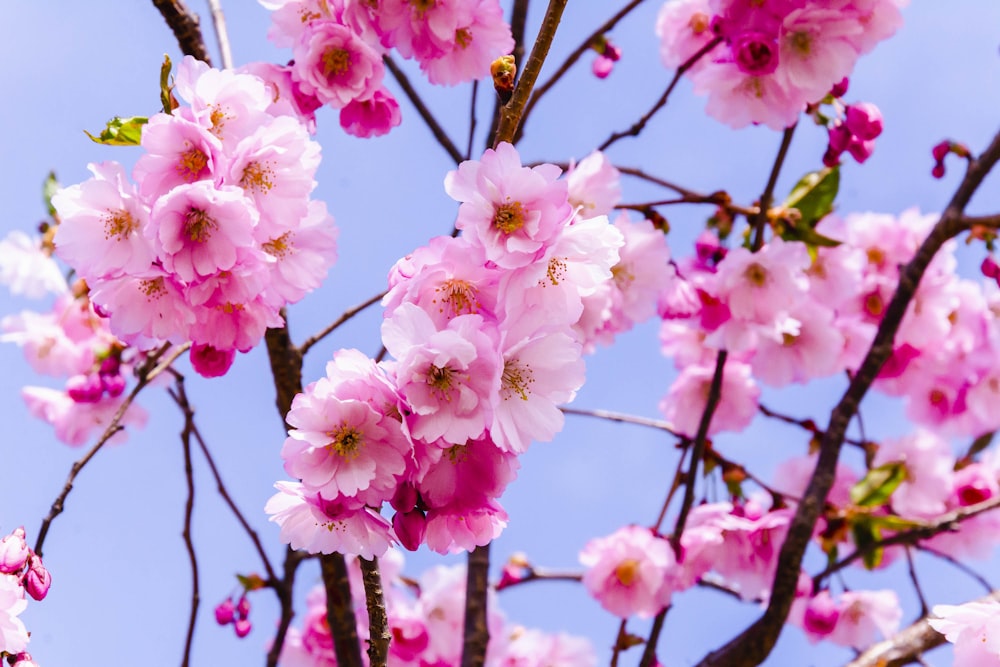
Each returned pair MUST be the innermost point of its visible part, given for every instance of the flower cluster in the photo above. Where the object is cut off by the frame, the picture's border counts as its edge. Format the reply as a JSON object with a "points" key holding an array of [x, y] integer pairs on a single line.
{"points": [[220, 232], [71, 341], [487, 331], [338, 47], [774, 56], [425, 621], [21, 571]]}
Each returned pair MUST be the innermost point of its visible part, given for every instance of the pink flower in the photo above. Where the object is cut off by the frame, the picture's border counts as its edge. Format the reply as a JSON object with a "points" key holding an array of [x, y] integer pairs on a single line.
{"points": [[37, 580], [630, 571], [13, 552], [178, 151], [335, 65], [480, 37], [75, 422], [685, 401], [594, 186], [511, 211], [684, 27], [372, 117], [27, 269], [929, 464], [974, 629], [13, 634], [302, 256], [209, 362], [865, 617]]}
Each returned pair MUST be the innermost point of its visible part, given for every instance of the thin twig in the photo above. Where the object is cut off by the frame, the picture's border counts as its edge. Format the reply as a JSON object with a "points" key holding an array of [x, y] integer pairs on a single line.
{"points": [[621, 643], [476, 631], [221, 33], [432, 123], [472, 120], [186, 28], [808, 425], [283, 588], [767, 198], [575, 55], [958, 565], [378, 623], [345, 316], [340, 610], [649, 653], [180, 397], [623, 418], [510, 113], [924, 609], [145, 376], [674, 485], [541, 574], [640, 124]]}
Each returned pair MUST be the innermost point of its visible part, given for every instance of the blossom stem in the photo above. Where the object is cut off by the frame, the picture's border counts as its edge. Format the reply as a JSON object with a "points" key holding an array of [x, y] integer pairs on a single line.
{"points": [[429, 119], [767, 198], [152, 368], [640, 124], [179, 397], [511, 113], [476, 633], [577, 53], [186, 28]]}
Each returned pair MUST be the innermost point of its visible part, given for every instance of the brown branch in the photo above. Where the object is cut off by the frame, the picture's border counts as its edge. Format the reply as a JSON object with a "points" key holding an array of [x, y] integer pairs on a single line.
{"points": [[345, 316], [432, 123], [640, 124], [221, 33], [378, 622], [511, 113], [752, 646], [621, 643], [186, 27], [340, 610], [283, 589], [180, 397], [472, 120], [573, 57], [988, 221], [518, 19], [808, 425], [767, 198], [957, 564], [149, 370], [649, 653], [476, 632]]}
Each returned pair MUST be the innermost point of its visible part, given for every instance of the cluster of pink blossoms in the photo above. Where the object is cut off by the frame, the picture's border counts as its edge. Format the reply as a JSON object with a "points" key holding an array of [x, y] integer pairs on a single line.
{"points": [[220, 232], [426, 619], [338, 47], [487, 331], [71, 341], [21, 571], [775, 56]]}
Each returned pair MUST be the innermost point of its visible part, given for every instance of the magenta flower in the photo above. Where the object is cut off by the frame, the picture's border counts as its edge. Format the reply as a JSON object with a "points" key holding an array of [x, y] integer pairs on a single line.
{"points": [[372, 117], [336, 65]]}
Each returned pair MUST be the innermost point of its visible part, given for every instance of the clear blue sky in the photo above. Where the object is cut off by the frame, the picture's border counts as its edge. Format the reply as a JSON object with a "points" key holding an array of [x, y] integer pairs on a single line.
{"points": [[121, 583]]}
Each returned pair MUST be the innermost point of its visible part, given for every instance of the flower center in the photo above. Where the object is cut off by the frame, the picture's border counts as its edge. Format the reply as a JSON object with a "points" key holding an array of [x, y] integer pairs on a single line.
{"points": [[463, 37], [627, 571], [336, 62], [152, 288], [756, 274], [198, 226], [459, 297], [257, 177], [278, 246], [516, 379], [218, 118], [118, 225], [191, 164], [440, 378], [345, 441], [509, 217]]}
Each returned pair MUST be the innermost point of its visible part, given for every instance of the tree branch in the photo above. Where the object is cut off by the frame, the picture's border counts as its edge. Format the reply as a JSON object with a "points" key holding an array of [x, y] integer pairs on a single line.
{"points": [[180, 397], [221, 33], [476, 634], [432, 124], [340, 610], [186, 28], [767, 198], [518, 19], [640, 124], [347, 314], [378, 644], [753, 645]]}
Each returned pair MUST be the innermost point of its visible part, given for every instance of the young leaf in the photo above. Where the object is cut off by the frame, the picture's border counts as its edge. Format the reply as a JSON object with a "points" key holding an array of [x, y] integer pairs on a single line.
{"points": [[877, 486], [866, 536], [167, 98], [120, 131], [813, 196], [50, 187]]}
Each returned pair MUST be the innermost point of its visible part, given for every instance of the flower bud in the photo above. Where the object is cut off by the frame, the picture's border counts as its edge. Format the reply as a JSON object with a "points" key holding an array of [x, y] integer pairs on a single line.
{"points": [[405, 498], [864, 120], [114, 385], [602, 67], [13, 552], [840, 89], [940, 150], [410, 528], [85, 388], [242, 627], [210, 362], [756, 53], [23, 659], [37, 580], [225, 612], [989, 267], [243, 607]]}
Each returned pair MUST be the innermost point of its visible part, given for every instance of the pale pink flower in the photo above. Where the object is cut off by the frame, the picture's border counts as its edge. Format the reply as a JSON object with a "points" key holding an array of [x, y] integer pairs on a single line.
{"points": [[229, 104], [75, 422], [514, 212], [310, 522], [594, 185], [758, 287], [62, 342], [630, 571], [372, 117], [809, 347], [302, 256], [451, 530], [449, 376], [467, 476], [13, 552], [929, 464], [27, 269], [145, 310], [534, 648], [752, 539], [290, 18], [178, 151], [685, 401], [974, 629], [683, 26], [100, 233], [13, 634], [816, 51], [335, 65], [423, 30], [225, 324], [866, 617], [287, 98], [480, 37], [738, 99], [199, 229]]}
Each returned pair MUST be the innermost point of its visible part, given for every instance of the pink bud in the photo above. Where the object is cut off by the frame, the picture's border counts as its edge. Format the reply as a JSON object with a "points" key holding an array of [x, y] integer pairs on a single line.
{"points": [[940, 150], [989, 267], [243, 607], [110, 366], [242, 627], [37, 580], [410, 528], [840, 89], [938, 170], [224, 612], [209, 362], [405, 498], [861, 150], [602, 66], [613, 52], [821, 615], [864, 120], [23, 659], [114, 385], [84, 388], [13, 552], [511, 574], [839, 138]]}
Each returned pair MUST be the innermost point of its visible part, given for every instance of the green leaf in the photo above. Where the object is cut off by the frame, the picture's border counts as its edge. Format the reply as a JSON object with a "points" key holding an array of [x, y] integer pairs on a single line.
{"points": [[121, 131], [878, 485], [49, 188], [814, 194], [866, 536], [895, 523]]}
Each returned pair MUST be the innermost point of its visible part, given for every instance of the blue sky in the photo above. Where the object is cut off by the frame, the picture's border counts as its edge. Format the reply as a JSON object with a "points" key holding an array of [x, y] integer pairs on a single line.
{"points": [[121, 583]]}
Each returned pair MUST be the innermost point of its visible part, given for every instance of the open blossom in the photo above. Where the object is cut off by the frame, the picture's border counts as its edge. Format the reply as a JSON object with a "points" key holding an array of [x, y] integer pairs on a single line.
{"points": [[27, 269], [630, 571], [13, 634], [481, 36], [687, 397], [974, 629], [513, 212], [336, 65], [177, 151], [371, 117], [594, 185]]}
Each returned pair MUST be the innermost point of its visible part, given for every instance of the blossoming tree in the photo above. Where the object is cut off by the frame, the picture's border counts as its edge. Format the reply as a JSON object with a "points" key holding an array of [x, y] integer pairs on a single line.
{"points": [[425, 231]]}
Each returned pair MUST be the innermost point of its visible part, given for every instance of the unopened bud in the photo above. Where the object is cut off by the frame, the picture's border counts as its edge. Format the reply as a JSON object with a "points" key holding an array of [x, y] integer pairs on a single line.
{"points": [[840, 89], [410, 528], [243, 607], [504, 71], [37, 580], [225, 612], [864, 120], [242, 627], [13, 552]]}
